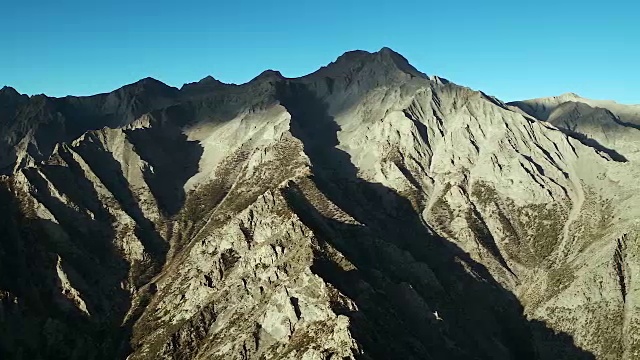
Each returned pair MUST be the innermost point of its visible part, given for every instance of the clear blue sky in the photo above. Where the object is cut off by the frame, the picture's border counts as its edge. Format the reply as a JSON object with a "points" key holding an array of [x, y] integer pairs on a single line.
{"points": [[510, 49]]}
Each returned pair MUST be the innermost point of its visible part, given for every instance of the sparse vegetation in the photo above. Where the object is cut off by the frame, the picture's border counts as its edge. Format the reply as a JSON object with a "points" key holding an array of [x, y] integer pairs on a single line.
{"points": [[442, 214], [558, 280], [595, 219], [533, 231]]}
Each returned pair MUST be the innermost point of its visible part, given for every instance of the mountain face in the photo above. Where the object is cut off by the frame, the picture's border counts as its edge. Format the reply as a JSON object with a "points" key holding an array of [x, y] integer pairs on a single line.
{"points": [[608, 126], [364, 211]]}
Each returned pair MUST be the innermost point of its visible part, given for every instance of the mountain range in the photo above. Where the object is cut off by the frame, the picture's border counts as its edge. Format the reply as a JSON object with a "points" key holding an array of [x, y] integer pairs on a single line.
{"points": [[364, 211]]}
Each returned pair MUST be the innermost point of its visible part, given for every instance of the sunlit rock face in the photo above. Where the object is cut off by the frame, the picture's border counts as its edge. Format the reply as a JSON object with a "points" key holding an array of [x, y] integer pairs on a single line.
{"points": [[364, 211]]}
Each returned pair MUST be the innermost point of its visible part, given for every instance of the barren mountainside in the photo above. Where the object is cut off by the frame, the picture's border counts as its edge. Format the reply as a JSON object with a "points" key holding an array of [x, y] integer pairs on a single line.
{"points": [[364, 211]]}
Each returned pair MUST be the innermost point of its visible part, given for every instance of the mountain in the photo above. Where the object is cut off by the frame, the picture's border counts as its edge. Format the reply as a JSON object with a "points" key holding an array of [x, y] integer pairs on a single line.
{"points": [[364, 211], [613, 128], [543, 107]]}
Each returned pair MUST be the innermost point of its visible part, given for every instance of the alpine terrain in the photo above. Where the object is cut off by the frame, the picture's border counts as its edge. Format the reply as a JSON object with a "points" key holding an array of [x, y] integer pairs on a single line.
{"points": [[364, 211]]}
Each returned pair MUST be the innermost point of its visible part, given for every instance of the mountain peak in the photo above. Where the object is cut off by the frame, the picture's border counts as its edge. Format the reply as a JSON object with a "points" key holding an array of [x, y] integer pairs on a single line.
{"points": [[206, 84], [570, 95], [149, 81], [269, 75], [386, 49], [209, 80], [352, 55], [147, 85], [387, 54], [383, 61], [391, 54], [362, 55], [11, 97], [8, 90]]}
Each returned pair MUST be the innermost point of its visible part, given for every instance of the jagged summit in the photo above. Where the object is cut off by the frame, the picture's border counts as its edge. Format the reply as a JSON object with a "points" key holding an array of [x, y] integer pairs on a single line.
{"points": [[204, 85], [363, 55], [354, 55], [8, 90], [10, 101], [385, 57], [381, 63], [10, 95], [400, 61]]}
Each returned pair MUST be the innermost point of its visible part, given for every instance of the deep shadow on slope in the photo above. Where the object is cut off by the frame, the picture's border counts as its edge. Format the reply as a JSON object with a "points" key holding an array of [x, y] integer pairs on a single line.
{"points": [[172, 160], [587, 141], [626, 123], [36, 321], [108, 170], [404, 271]]}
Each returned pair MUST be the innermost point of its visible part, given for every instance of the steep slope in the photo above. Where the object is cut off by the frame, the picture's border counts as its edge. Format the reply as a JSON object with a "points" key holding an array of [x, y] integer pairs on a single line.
{"points": [[366, 210]]}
